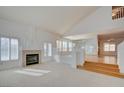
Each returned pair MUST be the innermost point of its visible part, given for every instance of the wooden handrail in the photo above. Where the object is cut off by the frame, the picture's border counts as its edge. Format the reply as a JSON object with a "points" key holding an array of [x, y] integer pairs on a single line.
{"points": [[118, 13]]}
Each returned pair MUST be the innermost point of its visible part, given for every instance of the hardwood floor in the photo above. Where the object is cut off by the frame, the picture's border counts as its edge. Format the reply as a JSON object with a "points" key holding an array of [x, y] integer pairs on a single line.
{"points": [[102, 59], [105, 65]]}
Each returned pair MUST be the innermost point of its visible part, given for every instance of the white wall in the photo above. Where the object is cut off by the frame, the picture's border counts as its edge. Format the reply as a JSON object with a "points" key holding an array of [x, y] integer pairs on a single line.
{"points": [[98, 21], [29, 38], [121, 57]]}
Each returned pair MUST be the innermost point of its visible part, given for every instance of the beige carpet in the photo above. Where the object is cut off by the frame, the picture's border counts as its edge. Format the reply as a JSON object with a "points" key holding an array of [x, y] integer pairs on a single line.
{"points": [[55, 75]]}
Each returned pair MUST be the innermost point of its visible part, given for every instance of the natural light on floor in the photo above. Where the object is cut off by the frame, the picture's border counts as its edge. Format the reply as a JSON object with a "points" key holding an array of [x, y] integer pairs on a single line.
{"points": [[32, 72]]}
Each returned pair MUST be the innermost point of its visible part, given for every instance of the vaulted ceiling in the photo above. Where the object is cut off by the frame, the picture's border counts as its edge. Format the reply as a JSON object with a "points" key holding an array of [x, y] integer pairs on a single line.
{"points": [[57, 19]]}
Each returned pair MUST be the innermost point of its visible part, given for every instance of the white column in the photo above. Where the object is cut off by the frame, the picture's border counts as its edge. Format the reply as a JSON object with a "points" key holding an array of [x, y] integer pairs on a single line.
{"points": [[79, 53]]}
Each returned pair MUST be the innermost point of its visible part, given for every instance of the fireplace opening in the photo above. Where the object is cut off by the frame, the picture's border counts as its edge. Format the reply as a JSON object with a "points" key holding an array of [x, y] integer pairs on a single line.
{"points": [[32, 59]]}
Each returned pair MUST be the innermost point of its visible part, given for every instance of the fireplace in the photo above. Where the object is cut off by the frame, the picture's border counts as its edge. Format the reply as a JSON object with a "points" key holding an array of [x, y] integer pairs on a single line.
{"points": [[32, 59]]}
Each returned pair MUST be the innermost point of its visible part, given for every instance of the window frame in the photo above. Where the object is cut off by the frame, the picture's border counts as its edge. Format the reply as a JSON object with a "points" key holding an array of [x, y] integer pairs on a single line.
{"points": [[10, 49], [109, 48], [64, 45], [70, 46], [46, 52], [49, 49], [10, 37]]}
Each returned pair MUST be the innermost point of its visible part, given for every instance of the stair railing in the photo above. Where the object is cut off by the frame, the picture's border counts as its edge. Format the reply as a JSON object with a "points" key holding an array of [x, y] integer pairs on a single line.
{"points": [[118, 13]]}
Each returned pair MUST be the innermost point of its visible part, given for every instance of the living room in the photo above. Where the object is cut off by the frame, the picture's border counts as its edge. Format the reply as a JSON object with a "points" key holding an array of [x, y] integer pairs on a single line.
{"points": [[42, 46]]}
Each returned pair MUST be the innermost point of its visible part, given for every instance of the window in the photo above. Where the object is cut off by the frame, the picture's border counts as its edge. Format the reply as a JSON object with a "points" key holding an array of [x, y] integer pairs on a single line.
{"points": [[47, 49], [109, 47], [14, 49], [64, 45], [9, 49], [70, 46], [58, 45], [112, 47], [5, 49], [90, 49], [106, 47]]}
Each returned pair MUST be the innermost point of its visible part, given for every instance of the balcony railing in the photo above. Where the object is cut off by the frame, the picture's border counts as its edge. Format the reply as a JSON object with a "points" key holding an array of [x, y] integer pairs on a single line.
{"points": [[118, 12]]}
